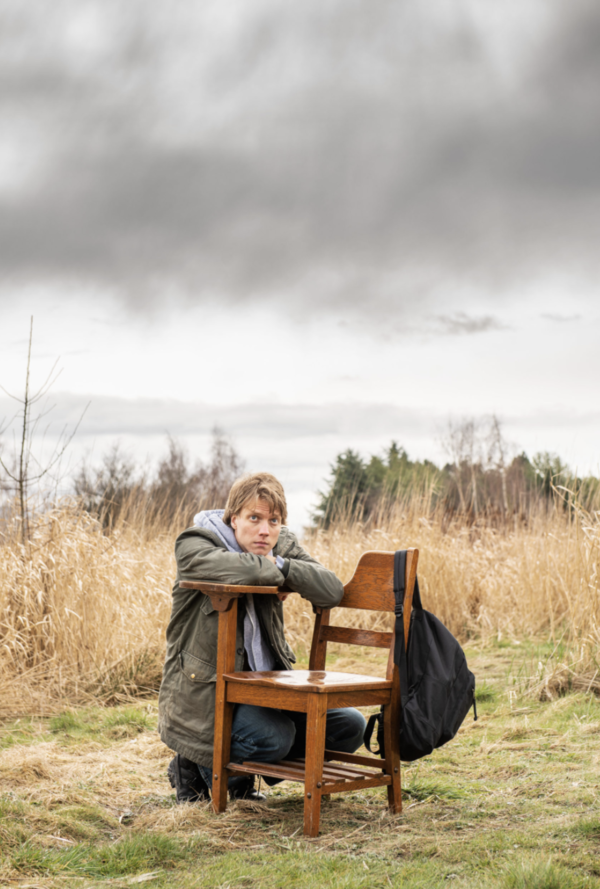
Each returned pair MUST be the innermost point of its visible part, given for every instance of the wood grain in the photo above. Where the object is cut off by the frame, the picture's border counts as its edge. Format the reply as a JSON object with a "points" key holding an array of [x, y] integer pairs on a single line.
{"points": [[308, 681], [362, 784], [316, 721], [223, 709], [318, 648], [219, 589], [351, 636], [359, 698], [372, 587], [238, 693], [372, 761]]}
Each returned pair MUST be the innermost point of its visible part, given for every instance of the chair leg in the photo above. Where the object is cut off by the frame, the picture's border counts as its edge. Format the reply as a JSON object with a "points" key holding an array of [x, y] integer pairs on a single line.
{"points": [[316, 724], [222, 747], [392, 757], [223, 710]]}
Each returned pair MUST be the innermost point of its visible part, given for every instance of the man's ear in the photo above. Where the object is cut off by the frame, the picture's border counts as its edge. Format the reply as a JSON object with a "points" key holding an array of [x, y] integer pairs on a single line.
{"points": [[233, 521]]}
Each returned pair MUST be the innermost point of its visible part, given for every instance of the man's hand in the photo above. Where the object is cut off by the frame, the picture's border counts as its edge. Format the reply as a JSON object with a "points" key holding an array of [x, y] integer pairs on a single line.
{"points": [[281, 596]]}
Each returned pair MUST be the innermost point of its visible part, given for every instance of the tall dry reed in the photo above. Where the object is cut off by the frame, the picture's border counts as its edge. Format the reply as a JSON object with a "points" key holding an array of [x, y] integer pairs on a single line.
{"points": [[83, 613], [539, 579]]}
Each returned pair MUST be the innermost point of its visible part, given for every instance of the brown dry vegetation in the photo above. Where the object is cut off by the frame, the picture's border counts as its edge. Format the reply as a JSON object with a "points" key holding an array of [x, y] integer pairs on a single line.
{"points": [[83, 613]]}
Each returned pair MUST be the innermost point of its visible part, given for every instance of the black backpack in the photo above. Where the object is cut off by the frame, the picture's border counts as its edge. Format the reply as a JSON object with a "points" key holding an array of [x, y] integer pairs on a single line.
{"points": [[436, 686]]}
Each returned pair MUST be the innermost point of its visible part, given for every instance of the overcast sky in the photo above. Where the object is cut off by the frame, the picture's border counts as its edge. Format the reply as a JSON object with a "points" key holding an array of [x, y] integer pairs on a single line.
{"points": [[320, 224]]}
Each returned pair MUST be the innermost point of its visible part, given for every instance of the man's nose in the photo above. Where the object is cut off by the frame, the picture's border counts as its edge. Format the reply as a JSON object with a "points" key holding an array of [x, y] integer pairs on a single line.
{"points": [[264, 529]]}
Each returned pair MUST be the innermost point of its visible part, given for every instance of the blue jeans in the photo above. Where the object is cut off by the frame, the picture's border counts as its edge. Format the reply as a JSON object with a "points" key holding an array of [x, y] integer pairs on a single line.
{"points": [[261, 734]]}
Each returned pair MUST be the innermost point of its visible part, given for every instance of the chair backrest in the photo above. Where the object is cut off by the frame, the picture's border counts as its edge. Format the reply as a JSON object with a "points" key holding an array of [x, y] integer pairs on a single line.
{"points": [[371, 589]]}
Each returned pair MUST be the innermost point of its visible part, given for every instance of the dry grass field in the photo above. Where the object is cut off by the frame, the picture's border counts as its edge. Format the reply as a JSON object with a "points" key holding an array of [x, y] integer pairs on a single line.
{"points": [[511, 803], [83, 613]]}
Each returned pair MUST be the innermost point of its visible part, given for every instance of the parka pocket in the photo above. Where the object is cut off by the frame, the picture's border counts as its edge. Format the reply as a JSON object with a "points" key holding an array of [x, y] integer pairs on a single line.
{"points": [[207, 606], [197, 670]]}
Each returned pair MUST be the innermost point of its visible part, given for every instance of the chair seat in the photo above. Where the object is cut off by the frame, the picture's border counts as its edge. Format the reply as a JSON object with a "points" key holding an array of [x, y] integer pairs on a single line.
{"points": [[309, 681]]}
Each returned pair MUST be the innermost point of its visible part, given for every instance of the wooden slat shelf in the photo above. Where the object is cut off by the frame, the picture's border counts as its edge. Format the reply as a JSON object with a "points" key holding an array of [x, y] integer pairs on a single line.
{"points": [[336, 778]]}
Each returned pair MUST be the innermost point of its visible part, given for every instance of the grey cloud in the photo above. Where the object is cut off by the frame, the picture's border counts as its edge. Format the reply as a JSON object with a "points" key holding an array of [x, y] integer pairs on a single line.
{"points": [[319, 151], [460, 323], [275, 425], [560, 319], [151, 417]]}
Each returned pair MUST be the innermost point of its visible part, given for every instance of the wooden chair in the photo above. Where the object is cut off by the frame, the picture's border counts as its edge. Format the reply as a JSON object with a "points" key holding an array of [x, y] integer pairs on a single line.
{"points": [[314, 691]]}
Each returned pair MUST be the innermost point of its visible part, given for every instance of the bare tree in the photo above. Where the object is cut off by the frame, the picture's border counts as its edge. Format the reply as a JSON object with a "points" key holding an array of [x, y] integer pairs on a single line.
{"points": [[20, 472], [113, 490], [461, 441], [497, 455], [215, 480]]}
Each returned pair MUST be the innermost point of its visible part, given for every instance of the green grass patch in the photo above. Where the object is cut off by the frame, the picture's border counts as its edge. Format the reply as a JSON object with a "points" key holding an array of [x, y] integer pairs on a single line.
{"points": [[545, 875], [25, 730], [589, 828], [306, 870], [486, 693], [130, 855], [108, 724], [425, 789]]}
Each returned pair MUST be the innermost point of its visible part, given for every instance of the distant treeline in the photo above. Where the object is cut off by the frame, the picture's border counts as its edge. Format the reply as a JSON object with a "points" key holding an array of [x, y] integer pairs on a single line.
{"points": [[480, 482]]}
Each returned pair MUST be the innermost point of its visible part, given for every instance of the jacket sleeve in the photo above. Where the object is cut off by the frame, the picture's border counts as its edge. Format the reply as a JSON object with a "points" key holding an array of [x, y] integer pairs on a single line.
{"points": [[198, 558], [311, 579]]}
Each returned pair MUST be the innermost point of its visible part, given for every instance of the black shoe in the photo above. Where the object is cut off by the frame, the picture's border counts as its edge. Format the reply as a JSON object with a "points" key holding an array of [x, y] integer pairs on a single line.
{"points": [[245, 790], [185, 777]]}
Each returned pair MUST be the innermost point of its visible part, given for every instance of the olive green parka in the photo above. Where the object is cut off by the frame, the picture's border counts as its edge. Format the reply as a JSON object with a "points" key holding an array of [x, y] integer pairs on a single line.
{"points": [[186, 704]]}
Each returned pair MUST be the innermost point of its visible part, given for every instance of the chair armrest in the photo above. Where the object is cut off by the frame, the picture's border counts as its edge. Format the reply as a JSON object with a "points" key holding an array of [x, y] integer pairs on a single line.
{"points": [[223, 594], [218, 589]]}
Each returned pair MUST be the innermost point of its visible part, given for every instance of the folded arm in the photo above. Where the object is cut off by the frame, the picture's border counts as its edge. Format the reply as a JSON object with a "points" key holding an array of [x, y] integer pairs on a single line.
{"points": [[198, 558]]}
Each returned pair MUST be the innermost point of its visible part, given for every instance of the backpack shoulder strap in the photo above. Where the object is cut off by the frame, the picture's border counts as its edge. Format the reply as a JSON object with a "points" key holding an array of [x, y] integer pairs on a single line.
{"points": [[400, 652], [399, 646]]}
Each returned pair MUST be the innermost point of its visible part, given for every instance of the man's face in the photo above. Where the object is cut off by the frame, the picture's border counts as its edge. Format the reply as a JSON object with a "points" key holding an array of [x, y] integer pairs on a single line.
{"points": [[256, 528]]}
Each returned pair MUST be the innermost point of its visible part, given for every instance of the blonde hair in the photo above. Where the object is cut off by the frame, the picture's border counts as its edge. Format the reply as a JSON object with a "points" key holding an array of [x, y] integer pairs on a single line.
{"points": [[258, 486]]}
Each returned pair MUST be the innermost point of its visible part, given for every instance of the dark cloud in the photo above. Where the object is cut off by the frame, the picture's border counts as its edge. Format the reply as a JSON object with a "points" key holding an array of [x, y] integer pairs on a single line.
{"points": [[325, 152]]}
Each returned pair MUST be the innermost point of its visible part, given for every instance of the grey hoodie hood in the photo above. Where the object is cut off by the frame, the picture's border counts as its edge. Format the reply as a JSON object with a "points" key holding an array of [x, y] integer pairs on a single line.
{"points": [[212, 520]]}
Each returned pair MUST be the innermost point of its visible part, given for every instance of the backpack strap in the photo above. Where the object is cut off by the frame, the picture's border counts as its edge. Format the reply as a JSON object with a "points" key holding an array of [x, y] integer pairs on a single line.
{"points": [[400, 653], [373, 720], [399, 646]]}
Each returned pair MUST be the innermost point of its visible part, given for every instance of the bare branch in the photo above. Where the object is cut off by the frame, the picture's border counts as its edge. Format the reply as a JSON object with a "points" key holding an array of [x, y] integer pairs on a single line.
{"points": [[7, 471], [10, 395], [58, 453], [47, 385]]}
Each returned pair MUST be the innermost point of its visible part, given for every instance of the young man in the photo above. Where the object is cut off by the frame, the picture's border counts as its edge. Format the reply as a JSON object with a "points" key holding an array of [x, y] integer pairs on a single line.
{"points": [[246, 543]]}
